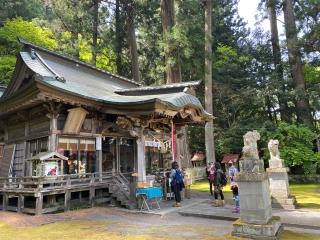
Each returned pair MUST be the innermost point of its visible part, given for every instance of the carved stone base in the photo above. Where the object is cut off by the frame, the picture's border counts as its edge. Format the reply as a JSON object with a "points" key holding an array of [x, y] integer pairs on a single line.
{"points": [[289, 203], [279, 188], [269, 231]]}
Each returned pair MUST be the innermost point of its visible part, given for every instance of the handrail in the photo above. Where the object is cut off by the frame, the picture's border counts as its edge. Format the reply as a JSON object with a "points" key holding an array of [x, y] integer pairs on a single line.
{"points": [[54, 181]]}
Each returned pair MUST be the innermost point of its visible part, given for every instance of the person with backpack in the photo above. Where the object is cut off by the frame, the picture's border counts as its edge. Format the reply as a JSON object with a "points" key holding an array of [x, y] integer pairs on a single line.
{"points": [[177, 183], [219, 182], [210, 173], [232, 171], [232, 174]]}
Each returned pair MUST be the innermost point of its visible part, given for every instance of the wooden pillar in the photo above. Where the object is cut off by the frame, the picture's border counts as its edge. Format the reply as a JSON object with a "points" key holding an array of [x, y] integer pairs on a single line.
{"points": [[5, 201], [53, 115], [20, 203], [39, 204], [92, 191], [92, 195], [141, 156], [67, 195], [99, 156], [67, 199], [53, 132]]}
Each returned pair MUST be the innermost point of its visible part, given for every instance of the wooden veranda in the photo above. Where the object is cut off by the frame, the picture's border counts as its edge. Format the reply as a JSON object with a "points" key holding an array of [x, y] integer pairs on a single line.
{"points": [[37, 195]]}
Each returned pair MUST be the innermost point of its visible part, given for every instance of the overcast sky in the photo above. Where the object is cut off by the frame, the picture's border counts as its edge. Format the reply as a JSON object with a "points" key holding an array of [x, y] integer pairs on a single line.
{"points": [[248, 10]]}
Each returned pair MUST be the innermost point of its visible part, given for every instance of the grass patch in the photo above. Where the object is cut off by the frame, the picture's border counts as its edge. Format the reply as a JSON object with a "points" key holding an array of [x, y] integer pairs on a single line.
{"points": [[88, 230], [289, 235], [68, 230], [307, 195]]}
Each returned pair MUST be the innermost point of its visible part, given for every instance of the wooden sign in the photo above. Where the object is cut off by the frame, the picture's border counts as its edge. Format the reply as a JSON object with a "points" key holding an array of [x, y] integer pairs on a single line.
{"points": [[74, 120]]}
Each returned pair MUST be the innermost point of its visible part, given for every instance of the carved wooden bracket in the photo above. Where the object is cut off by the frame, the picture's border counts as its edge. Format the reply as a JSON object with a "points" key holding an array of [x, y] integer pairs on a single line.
{"points": [[53, 109]]}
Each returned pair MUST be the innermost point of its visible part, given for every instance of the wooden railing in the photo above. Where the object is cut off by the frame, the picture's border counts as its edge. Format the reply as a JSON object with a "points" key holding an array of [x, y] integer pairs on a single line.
{"points": [[55, 182]]}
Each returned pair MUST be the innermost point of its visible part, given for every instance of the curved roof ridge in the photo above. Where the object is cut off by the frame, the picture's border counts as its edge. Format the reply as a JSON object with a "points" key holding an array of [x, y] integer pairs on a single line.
{"points": [[166, 86], [25, 42], [57, 76]]}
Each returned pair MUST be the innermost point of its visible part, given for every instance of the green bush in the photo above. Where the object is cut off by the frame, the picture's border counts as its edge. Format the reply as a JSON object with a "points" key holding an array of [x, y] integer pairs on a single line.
{"points": [[295, 145]]}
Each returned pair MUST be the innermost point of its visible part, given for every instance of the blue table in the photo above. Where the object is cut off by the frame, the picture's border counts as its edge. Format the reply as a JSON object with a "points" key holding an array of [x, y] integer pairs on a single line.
{"points": [[153, 194]]}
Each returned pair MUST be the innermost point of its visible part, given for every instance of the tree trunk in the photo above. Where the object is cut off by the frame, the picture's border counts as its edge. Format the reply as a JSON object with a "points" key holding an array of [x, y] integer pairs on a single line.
{"points": [[118, 39], [129, 9], [173, 75], [95, 25], [302, 102], [172, 58], [284, 112], [75, 33], [209, 136], [75, 44]]}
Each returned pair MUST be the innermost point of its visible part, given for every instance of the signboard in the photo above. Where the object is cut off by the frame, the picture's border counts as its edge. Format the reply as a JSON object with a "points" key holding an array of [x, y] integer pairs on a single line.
{"points": [[50, 168], [152, 144], [98, 143]]}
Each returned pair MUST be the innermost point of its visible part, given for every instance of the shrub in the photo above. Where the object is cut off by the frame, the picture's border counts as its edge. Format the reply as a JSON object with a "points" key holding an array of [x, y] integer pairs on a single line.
{"points": [[296, 146]]}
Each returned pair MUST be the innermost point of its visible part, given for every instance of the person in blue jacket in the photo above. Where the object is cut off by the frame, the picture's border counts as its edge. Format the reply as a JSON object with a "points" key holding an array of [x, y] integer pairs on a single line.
{"points": [[177, 183]]}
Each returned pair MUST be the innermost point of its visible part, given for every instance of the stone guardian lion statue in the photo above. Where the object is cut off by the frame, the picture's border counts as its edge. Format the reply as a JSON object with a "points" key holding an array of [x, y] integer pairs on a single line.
{"points": [[273, 147]]}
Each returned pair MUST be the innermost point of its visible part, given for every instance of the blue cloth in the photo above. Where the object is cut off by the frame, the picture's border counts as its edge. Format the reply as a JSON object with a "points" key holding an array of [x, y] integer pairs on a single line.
{"points": [[237, 200], [154, 192]]}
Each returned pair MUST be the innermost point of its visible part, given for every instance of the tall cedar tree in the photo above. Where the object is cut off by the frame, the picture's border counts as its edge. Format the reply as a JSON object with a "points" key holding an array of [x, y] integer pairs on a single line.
{"points": [[301, 102], [173, 69], [284, 112], [129, 9], [210, 149]]}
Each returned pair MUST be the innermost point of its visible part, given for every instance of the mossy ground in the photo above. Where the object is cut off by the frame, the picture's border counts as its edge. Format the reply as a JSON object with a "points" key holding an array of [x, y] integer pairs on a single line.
{"points": [[99, 230], [99, 225], [307, 195]]}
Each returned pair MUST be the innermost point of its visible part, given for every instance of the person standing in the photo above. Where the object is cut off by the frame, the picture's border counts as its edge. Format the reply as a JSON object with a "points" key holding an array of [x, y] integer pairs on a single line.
{"points": [[232, 171], [235, 191], [218, 185], [177, 183], [210, 173]]}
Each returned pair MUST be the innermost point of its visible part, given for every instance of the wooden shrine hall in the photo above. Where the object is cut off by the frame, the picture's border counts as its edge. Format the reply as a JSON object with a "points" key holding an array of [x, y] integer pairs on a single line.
{"points": [[72, 131]]}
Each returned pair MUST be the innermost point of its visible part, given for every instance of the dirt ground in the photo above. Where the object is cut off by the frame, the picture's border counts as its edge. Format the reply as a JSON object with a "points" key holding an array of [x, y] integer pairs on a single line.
{"points": [[115, 223]]}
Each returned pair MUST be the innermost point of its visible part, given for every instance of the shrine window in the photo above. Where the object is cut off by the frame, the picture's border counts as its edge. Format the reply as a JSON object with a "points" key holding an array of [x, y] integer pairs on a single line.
{"points": [[81, 154]]}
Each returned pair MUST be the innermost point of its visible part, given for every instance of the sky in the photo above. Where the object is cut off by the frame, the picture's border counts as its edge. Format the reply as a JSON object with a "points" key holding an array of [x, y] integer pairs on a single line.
{"points": [[248, 10]]}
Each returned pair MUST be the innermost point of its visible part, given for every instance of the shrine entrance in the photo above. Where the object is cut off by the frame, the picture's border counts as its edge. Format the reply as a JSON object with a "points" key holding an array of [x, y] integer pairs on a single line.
{"points": [[119, 155]]}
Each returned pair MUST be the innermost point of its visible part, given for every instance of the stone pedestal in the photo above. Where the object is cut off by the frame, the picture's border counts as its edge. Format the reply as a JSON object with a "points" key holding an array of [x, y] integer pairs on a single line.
{"points": [[269, 231], [278, 178], [279, 188], [256, 220]]}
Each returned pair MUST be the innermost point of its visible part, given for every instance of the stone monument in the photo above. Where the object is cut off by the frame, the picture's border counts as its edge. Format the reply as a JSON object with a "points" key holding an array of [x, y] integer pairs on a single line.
{"points": [[278, 179], [256, 220]]}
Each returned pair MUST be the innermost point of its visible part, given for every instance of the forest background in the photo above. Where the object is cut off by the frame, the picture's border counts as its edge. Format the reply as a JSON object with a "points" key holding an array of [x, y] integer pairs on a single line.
{"points": [[259, 81]]}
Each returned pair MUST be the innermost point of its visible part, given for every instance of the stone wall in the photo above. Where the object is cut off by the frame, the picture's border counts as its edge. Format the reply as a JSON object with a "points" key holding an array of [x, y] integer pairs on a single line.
{"points": [[304, 178], [196, 173]]}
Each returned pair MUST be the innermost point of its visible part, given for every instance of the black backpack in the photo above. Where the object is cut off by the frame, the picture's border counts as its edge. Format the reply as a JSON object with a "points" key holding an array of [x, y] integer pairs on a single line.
{"points": [[223, 179]]}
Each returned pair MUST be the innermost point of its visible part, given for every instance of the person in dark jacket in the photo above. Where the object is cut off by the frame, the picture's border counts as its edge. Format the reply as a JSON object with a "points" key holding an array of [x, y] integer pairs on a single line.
{"points": [[177, 183], [210, 173], [235, 191], [218, 185]]}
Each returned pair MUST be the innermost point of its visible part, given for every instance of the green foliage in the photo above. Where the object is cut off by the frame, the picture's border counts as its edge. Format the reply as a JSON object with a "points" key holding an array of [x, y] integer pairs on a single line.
{"points": [[27, 9], [195, 139], [9, 45], [28, 30], [7, 63], [296, 146]]}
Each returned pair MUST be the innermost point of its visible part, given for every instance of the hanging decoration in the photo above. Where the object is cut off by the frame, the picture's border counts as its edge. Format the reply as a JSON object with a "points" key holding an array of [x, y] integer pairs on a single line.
{"points": [[173, 147]]}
